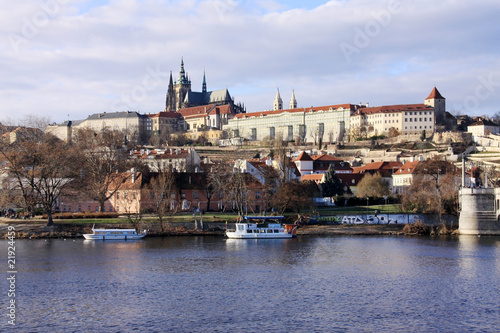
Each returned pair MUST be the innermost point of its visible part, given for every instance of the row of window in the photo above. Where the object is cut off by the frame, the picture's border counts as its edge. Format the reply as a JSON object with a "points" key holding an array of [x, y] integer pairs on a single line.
{"points": [[419, 119]]}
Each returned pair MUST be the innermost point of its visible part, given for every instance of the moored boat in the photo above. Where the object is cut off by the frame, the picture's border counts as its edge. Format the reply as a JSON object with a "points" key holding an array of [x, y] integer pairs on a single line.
{"points": [[114, 234], [270, 229]]}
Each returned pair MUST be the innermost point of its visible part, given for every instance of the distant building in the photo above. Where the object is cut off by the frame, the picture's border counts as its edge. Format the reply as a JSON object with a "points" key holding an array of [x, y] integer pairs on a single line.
{"points": [[158, 160], [132, 122], [483, 127], [314, 124]]}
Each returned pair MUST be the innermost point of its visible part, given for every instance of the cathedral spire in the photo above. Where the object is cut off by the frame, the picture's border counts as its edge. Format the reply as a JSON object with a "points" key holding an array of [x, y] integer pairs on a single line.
{"points": [[204, 86], [182, 73], [278, 102], [293, 101], [169, 104]]}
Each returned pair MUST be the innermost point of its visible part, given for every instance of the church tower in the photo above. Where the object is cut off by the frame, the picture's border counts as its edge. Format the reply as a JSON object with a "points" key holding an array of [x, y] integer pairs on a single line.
{"points": [[278, 102], [170, 103], [178, 90], [293, 101], [438, 102]]}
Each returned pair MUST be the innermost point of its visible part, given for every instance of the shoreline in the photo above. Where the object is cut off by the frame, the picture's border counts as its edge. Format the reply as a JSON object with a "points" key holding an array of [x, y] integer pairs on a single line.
{"points": [[39, 230]]}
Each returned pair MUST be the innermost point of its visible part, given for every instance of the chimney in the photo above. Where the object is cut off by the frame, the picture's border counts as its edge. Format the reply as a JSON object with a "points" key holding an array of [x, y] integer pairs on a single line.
{"points": [[133, 174]]}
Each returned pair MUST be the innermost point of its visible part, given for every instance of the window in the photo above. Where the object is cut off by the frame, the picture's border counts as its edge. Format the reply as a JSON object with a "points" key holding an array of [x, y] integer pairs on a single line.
{"points": [[117, 195], [254, 134], [96, 209], [79, 208], [321, 129], [257, 195], [195, 194], [88, 208], [272, 132]]}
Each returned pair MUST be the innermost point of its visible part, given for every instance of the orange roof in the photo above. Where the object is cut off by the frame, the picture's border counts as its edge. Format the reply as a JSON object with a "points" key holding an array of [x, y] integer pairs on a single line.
{"points": [[407, 168], [435, 94], [351, 107], [325, 157], [221, 109], [377, 166], [316, 177], [197, 110], [303, 157]]}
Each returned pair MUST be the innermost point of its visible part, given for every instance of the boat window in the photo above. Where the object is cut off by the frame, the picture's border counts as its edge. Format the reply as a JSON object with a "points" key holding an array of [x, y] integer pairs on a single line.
{"points": [[269, 231], [249, 231], [256, 231], [276, 231], [241, 227]]}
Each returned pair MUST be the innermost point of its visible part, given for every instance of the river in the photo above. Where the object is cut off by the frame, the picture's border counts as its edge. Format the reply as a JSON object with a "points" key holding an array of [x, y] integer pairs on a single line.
{"points": [[211, 284]]}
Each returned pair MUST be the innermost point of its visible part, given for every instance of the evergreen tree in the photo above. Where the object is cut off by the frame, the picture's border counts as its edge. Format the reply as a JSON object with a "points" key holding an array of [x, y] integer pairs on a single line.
{"points": [[332, 185]]}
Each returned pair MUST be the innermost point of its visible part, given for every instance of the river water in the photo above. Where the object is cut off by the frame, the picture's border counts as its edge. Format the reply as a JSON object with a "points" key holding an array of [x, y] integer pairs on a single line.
{"points": [[211, 284]]}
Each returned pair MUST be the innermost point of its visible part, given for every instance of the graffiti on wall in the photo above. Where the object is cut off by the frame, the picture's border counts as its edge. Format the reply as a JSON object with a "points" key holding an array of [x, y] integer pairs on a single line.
{"points": [[366, 219]]}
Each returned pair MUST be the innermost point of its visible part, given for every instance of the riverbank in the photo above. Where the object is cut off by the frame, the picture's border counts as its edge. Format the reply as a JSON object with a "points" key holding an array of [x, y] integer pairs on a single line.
{"points": [[38, 229]]}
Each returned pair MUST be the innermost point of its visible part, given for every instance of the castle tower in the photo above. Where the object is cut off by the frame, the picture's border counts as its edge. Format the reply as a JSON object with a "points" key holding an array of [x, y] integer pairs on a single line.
{"points": [[293, 101], [438, 102], [278, 102]]}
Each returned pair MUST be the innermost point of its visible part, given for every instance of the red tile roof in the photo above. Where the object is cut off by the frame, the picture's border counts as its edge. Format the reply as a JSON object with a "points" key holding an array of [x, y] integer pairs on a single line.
{"points": [[351, 107], [407, 168], [202, 110], [435, 94], [392, 109], [303, 157], [326, 157], [316, 177]]}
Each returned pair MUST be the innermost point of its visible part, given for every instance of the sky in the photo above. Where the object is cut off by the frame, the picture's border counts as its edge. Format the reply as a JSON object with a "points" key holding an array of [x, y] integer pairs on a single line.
{"points": [[68, 59]]}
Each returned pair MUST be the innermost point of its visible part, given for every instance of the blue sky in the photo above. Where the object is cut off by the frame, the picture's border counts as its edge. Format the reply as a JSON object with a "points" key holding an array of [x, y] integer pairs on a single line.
{"points": [[68, 59]]}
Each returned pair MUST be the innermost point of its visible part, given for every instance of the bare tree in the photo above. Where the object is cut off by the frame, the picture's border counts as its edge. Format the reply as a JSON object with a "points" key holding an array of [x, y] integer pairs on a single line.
{"points": [[42, 167], [162, 185], [104, 159]]}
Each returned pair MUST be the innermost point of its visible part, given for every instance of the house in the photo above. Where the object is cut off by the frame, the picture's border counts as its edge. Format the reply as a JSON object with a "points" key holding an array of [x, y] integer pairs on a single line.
{"points": [[385, 169], [403, 177], [304, 163], [322, 162], [483, 127], [179, 159]]}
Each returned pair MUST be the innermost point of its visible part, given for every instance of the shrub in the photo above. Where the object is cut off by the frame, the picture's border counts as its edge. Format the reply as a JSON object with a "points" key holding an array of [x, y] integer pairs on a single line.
{"points": [[417, 228]]}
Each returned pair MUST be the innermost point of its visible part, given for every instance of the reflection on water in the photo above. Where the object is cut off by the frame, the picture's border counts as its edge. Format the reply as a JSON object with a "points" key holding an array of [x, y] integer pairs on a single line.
{"points": [[200, 284]]}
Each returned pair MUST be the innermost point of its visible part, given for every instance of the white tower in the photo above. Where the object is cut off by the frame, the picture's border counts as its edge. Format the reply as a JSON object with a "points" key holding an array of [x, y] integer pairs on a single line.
{"points": [[293, 101], [278, 102]]}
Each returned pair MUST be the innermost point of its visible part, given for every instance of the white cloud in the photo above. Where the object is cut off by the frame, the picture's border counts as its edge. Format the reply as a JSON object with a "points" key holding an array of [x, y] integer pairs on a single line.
{"points": [[82, 57]]}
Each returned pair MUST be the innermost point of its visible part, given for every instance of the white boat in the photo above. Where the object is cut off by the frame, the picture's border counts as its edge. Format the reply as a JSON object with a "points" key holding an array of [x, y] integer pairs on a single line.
{"points": [[114, 234], [249, 230]]}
